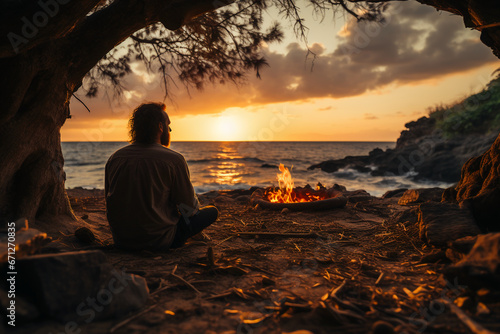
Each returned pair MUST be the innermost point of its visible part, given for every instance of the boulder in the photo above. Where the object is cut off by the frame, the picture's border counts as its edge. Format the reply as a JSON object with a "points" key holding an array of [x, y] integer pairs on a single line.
{"points": [[416, 129], [357, 196], [376, 152], [459, 248], [481, 267], [268, 166], [360, 163], [78, 286], [394, 193], [421, 195], [440, 223], [479, 188], [338, 187], [85, 235], [463, 245]]}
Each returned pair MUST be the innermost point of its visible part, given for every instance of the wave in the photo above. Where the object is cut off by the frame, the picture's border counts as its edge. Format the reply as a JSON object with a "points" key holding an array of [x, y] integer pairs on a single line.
{"points": [[348, 175], [224, 159], [81, 163]]}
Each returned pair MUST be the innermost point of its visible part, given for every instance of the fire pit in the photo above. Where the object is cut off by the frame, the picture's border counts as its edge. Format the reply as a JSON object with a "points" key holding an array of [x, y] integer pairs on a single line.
{"points": [[297, 199]]}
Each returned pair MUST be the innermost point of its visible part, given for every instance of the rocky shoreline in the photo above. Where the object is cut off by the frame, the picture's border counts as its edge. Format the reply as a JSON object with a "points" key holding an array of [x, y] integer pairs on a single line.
{"points": [[421, 151]]}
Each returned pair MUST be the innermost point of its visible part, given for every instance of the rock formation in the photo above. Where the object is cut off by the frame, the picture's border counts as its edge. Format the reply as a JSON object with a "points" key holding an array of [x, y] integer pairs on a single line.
{"points": [[481, 267], [422, 149], [479, 188]]}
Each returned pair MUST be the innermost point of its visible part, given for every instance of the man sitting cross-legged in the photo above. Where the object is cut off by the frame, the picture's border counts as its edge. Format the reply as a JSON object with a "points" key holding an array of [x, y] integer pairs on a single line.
{"points": [[150, 201]]}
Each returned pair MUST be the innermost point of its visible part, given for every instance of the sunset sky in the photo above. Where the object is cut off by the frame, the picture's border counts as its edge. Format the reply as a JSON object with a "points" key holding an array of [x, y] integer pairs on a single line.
{"points": [[367, 81]]}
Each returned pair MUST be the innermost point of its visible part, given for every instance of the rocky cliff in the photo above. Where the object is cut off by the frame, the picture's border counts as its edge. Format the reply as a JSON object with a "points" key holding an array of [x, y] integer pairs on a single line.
{"points": [[435, 147], [421, 149]]}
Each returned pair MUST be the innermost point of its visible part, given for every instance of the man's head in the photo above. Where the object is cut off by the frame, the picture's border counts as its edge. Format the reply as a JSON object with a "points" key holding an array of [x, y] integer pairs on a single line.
{"points": [[149, 124]]}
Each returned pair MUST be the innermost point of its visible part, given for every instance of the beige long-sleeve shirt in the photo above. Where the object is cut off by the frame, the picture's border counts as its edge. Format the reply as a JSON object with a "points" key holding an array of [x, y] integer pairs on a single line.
{"points": [[145, 187]]}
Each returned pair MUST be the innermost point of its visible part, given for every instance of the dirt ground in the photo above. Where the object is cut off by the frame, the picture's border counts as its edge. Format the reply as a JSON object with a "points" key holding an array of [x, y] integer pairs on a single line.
{"points": [[348, 270]]}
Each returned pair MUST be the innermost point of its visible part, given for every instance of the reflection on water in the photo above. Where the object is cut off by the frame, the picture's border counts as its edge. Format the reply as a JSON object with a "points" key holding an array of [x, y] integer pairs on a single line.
{"points": [[227, 171]]}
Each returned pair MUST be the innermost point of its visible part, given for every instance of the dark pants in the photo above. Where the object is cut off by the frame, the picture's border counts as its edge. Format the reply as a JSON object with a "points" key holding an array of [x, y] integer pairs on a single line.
{"points": [[189, 226]]}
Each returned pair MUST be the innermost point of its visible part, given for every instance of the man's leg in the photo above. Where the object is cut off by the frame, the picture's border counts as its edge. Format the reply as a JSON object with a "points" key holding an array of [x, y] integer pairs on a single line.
{"points": [[189, 226]]}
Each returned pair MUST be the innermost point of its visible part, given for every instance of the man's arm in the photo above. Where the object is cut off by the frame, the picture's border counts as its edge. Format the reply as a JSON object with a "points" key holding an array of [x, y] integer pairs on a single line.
{"points": [[106, 180], [183, 191]]}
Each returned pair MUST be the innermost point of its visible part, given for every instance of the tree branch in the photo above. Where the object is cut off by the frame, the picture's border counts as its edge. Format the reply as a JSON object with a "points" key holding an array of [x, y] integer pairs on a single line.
{"points": [[120, 20], [101, 32], [26, 24]]}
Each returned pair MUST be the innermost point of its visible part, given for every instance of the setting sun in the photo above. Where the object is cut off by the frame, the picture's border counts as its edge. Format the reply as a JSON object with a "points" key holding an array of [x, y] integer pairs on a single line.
{"points": [[227, 128]]}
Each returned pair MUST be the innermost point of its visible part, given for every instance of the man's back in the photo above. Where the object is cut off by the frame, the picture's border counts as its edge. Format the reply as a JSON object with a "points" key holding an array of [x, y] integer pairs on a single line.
{"points": [[143, 186]]}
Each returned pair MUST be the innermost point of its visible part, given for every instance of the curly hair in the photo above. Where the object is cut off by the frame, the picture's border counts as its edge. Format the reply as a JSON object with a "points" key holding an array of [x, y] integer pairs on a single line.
{"points": [[144, 122]]}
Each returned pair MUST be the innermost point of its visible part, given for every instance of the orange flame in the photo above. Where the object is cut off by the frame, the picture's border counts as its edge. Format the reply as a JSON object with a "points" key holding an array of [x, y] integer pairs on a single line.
{"points": [[288, 194]]}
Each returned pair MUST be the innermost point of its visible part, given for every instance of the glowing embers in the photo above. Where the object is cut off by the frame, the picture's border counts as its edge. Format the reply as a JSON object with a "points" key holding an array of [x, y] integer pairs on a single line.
{"points": [[286, 193]]}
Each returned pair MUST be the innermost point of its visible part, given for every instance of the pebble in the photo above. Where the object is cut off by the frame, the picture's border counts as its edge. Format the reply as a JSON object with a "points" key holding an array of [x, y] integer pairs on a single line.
{"points": [[85, 235], [382, 327], [482, 310], [464, 302]]}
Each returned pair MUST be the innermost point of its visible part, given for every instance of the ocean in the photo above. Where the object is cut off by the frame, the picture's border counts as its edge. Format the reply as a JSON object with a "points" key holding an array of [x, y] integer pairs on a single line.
{"points": [[241, 165]]}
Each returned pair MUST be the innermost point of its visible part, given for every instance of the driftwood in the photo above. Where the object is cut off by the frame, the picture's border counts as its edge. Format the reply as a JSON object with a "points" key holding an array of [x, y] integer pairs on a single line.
{"points": [[326, 204], [471, 324]]}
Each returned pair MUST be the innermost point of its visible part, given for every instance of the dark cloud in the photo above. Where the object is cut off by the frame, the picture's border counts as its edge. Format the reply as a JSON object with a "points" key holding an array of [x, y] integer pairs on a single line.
{"points": [[415, 43]]}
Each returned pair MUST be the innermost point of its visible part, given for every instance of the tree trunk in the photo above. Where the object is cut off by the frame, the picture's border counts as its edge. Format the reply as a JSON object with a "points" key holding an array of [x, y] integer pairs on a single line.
{"points": [[34, 106]]}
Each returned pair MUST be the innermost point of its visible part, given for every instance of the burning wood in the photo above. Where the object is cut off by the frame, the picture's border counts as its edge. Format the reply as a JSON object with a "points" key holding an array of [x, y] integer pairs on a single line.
{"points": [[286, 193], [297, 199]]}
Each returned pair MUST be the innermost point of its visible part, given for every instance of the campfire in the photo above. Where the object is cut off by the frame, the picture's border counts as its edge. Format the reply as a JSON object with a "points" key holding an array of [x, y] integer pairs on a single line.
{"points": [[286, 196], [287, 193]]}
